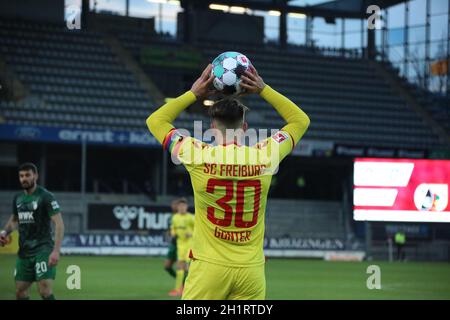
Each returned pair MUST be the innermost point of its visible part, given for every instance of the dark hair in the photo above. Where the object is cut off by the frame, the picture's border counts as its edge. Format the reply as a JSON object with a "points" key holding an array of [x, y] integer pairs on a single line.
{"points": [[28, 166], [182, 200], [229, 111]]}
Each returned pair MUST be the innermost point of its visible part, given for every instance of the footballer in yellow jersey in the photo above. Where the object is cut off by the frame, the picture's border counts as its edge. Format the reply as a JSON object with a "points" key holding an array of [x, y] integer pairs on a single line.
{"points": [[230, 183], [171, 257], [182, 228]]}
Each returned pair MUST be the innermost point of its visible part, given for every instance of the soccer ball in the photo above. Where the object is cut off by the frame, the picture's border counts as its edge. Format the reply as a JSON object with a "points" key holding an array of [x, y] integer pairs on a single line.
{"points": [[228, 68]]}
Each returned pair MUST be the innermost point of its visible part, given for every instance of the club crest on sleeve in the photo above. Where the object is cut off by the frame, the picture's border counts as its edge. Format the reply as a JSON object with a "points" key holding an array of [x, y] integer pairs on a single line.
{"points": [[54, 205], [280, 137]]}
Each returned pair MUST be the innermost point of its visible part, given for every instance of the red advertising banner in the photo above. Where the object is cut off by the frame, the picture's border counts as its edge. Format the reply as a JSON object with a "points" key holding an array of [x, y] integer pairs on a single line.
{"points": [[407, 190]]}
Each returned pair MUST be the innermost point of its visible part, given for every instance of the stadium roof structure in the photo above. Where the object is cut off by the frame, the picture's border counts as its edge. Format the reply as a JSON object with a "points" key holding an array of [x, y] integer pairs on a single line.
{"points": [[356, 5], [333, 9]]}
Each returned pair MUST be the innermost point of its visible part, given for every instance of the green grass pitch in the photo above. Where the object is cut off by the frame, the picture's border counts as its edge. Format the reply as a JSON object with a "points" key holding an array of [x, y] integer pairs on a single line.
{"points": [[144, 278]]}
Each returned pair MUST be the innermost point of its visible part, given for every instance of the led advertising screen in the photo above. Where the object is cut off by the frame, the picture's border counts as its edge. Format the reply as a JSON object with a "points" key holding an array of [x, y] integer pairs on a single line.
{"points": [[407, 190]]}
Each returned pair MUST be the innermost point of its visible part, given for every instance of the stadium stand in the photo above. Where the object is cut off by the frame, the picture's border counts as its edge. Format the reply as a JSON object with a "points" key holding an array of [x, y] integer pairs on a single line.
{"points": [[309, 219], [73, 78], [76, 80], [436, 105], [356, 106]]}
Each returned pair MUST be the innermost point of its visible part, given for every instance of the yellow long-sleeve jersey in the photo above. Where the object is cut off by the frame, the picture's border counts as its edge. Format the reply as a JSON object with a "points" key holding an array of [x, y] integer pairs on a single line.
{"points": [[230, 182], [182, 226]]}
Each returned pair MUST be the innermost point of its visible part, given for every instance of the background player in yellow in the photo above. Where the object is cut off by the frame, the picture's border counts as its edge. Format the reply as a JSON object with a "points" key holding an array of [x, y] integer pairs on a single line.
{"points": [[231, 183], [182, 228], [171, 257]]}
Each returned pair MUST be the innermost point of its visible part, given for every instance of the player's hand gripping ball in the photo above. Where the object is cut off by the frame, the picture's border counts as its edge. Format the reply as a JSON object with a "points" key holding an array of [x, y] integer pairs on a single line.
{"points": [[228, 68]]}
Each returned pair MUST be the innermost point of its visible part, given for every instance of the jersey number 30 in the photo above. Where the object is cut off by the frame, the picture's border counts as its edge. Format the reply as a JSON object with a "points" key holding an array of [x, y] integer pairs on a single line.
{"points": [[223, 202]]}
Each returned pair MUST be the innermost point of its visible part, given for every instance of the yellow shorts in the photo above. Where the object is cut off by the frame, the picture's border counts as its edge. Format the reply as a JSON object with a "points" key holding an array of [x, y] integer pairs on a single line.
{"points": [[209, 281], [183, 248]]}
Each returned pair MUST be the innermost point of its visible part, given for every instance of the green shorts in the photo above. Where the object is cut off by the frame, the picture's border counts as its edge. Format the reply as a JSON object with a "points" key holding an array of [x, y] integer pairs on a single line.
{"points": [[34, 268], [172, 252]]}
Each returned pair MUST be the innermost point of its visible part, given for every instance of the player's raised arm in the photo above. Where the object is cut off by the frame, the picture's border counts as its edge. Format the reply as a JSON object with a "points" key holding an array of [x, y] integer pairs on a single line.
{"points": [[297, 120], [10, 226], [160, 122]]}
